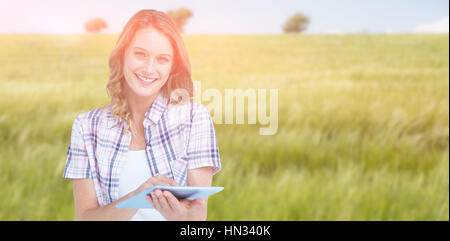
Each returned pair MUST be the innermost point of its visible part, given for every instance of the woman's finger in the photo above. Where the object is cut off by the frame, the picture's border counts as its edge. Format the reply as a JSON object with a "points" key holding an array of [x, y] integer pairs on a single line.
{"points": [[163, 201], [155, 200], [157, 182], [149, 199], [167, 180], [173, 202]]}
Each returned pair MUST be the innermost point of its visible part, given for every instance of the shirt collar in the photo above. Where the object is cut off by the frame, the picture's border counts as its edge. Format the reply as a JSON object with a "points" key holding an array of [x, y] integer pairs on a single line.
{"points": [[153, 113], [158, 107]]}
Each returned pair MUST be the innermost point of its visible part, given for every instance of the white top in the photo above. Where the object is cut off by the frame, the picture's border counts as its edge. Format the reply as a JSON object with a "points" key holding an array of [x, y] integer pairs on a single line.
{"points": [[135, 172]]}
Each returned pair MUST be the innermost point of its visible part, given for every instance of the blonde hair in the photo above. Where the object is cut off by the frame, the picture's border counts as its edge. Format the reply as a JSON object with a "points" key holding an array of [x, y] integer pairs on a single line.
{"points": [[179, 78]]}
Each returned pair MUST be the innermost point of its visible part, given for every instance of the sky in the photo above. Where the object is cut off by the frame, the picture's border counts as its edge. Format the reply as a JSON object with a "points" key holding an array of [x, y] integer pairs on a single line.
{"points": [[232, 16]]}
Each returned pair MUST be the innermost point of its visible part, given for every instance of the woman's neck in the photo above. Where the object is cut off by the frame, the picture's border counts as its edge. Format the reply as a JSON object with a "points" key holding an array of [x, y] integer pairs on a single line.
{"points": [[139, 105]]}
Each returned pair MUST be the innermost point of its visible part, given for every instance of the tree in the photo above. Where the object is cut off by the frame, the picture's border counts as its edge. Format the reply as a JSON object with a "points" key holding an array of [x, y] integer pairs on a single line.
{"points": [[180, 17], [95, 25], [297, 23]]}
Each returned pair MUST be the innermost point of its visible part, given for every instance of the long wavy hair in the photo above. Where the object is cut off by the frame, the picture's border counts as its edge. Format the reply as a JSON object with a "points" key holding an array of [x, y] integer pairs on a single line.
{"points": [[179, 78]]}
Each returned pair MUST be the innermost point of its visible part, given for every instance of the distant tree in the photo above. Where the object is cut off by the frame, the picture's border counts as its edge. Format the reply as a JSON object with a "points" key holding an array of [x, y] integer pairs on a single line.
{"points": [[297, 23], [180, 17], [95, 25]]}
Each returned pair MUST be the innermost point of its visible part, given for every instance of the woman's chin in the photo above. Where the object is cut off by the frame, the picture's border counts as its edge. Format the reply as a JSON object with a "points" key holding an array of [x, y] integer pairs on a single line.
{"points": [[146, 93]]}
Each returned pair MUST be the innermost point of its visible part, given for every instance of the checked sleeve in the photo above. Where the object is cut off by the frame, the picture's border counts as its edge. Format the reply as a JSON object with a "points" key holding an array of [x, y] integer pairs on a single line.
{"points": [[77, 162], [202, 147]]}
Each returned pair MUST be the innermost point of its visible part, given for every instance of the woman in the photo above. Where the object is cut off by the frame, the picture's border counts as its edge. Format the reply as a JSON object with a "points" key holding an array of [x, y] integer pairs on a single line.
{"points": [[149, 134]]}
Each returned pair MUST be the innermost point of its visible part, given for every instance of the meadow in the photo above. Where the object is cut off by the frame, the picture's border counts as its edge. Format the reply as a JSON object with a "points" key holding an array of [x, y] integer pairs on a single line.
{"points": [[363, 123]]}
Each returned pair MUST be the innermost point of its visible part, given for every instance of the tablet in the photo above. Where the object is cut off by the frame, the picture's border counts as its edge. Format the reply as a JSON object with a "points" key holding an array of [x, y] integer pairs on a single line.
{"points": [[181, 192]]}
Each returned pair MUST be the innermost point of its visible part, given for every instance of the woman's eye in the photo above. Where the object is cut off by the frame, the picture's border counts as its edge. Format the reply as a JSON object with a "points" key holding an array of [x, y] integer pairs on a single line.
{"points": [[164, 60], [139, 54]]}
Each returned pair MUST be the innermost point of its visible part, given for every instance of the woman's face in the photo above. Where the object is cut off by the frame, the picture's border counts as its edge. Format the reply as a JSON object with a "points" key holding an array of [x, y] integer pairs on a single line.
{"points": [[148, 62]]}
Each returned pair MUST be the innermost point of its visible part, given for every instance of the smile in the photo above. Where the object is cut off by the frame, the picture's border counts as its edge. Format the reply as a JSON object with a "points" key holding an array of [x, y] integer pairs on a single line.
{"points": [[146, 80]]}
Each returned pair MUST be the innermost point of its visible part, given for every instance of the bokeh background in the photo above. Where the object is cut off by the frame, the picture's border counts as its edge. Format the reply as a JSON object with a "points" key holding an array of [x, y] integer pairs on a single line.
{"points": [[363, 103]]}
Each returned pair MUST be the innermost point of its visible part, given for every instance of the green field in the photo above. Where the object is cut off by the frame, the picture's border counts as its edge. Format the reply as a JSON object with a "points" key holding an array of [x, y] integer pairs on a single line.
{"points": [[363, 129]]}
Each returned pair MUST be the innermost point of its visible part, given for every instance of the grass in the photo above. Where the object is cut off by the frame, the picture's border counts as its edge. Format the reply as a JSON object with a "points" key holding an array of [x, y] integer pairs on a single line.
{"points": [[363, 129]]}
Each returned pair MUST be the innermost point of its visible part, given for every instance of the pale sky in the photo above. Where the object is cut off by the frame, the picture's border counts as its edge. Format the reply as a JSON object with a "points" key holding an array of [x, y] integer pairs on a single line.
{"points": [[232, 16]]}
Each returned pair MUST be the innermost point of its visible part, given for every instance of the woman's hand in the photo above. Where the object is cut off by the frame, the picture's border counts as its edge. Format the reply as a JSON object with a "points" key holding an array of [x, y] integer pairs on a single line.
{"points": [[177, 210], [156, 180]]}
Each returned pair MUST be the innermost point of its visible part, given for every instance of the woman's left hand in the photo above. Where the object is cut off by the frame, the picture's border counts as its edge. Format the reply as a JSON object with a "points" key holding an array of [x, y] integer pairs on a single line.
{"points": [[178, 210]]}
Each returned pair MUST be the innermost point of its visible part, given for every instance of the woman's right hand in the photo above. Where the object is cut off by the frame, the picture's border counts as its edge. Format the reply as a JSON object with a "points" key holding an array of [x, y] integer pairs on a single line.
{"points": [[156, 180]]}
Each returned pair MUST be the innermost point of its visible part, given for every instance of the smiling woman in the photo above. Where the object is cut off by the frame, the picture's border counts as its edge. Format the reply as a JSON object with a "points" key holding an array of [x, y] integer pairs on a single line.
{"points": [[146, 135], [146, 38], [147, 69]]}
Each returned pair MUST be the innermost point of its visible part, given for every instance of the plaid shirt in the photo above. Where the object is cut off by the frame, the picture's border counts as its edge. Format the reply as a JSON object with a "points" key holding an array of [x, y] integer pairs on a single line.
{"points": [[178, 138]]}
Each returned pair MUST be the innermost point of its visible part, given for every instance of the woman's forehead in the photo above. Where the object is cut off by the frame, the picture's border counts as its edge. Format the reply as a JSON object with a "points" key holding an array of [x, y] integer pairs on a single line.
{"points": [[152, 41]]}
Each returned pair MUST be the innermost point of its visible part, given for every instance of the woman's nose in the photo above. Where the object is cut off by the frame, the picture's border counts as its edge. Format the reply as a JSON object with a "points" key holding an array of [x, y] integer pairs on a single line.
{"points": [[150, 67]]}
